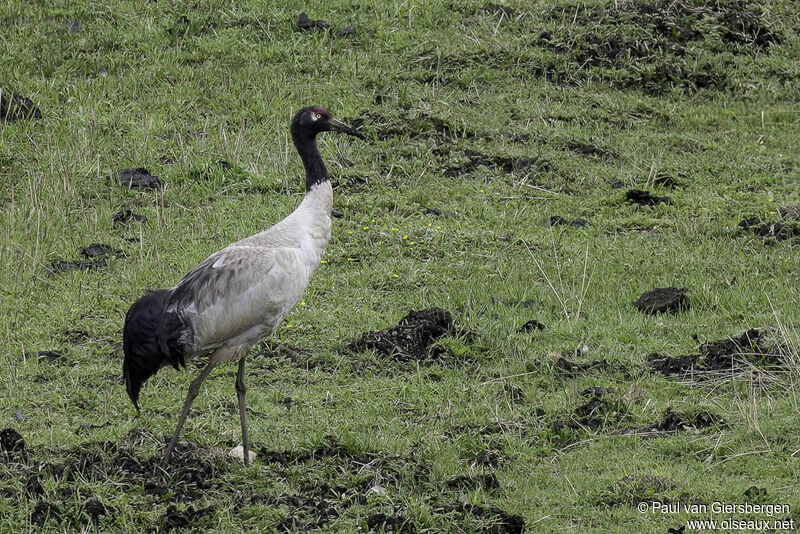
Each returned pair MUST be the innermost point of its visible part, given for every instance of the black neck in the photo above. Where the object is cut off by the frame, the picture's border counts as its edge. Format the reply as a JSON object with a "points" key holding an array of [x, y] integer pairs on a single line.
{"points": [[306, 144]]}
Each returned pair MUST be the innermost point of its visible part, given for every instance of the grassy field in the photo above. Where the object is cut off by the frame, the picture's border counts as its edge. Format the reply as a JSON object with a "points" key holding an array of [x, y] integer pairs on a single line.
{"points": [[485, 122]]}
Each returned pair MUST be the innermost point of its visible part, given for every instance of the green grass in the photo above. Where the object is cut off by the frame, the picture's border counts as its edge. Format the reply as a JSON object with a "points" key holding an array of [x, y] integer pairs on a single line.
{"points": [[604, 99]]}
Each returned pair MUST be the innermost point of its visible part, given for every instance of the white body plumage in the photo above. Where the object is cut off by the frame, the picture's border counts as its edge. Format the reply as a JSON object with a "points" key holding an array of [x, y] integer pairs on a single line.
{"points": [[242, 293]]}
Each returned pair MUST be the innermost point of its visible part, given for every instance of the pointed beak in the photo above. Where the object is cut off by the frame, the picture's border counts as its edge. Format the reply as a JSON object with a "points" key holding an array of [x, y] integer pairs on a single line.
{"points": [[338, 126]]}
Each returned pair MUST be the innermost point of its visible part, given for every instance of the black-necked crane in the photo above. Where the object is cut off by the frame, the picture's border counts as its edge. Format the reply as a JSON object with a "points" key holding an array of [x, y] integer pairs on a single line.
{"points": [[238, 295]]}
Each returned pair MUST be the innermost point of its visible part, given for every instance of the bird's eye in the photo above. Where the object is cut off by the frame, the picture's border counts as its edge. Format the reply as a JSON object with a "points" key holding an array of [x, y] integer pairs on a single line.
{"points": [[317, 116]]}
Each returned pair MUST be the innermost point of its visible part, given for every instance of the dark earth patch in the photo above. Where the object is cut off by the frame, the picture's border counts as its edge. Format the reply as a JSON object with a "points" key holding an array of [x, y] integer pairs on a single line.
{"points": [[531, 326], [98, 249], [791, 212], [305, 23], [676, 421], [380, 522], [178, 519], [500, 521], [44, 511], [572, 368], [474, 482], [11, 442], [778, 230], [757, 346], [76, 265], [598, 411], [50, 356], [413, 339], [634, 489], [494, 9], [589, 149], [415, 124], [557, 220], [644, 198], [668, 179], [16, 108], [357, 475], [125, 216], [138, 178], [506, 164], [94, 509], [658, 46], [663, 300], [440, 213], [754, 492]]}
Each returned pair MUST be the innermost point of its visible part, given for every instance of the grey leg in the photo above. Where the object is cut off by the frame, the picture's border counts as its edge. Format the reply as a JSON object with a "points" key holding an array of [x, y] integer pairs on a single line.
{"points": [[194, 389], [241, 389]]}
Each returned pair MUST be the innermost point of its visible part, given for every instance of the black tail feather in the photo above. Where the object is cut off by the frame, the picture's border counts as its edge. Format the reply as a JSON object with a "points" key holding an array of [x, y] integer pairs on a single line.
{"points": [[150, 341]]}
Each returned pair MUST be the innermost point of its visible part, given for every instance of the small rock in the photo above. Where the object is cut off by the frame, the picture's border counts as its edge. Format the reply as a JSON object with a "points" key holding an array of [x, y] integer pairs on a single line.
{"points": [[237, 453], [378, 490]]}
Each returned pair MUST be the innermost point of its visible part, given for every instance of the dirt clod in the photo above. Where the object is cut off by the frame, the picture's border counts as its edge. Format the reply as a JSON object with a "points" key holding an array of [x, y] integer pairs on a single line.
{"points": [[659, 46], [305, 23], [16, 108], [494, 9], [176, 519], [754, 491], [388, 523], [778, 230], [413, 339], [77, 265], [663, 300], [50, 356], [502, 521], [11, 441], [94, 509], [33, 485], [557, 220], [572, 368], [506, 164], [634, 489], [531, 326], [125, 216], [98, 249], [44, 511], [138, 178], [676, 421], [644, 198], [475, 482], [757, 346]]}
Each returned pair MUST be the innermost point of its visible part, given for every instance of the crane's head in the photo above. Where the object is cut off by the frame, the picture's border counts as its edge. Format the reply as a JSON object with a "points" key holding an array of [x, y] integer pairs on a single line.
{"points": [[314, 119]]}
